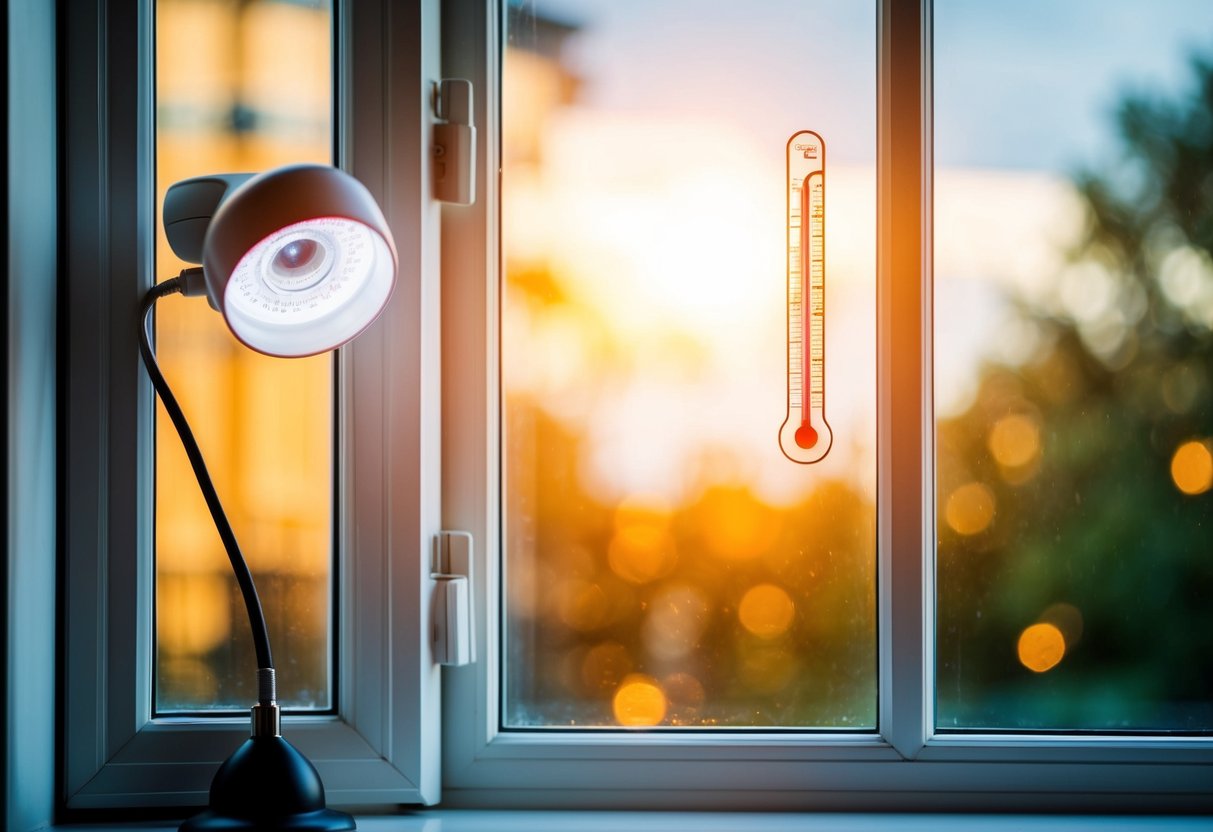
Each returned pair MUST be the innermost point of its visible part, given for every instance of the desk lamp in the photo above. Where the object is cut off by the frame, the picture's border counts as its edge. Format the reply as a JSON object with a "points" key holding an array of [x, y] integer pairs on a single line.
{"points": [[299, 260]]}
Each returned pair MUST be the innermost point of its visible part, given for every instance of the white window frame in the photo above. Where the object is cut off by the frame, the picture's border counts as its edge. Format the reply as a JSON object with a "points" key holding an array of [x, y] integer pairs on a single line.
{"points": [[905, 764], [382, 745]]}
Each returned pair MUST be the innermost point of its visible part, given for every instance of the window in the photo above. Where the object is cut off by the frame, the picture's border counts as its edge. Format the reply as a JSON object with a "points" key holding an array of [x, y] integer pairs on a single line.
{"points": [[665, 562], [493, 753], [241, 88], [377, 745], [420, 448], [1073, 300]]}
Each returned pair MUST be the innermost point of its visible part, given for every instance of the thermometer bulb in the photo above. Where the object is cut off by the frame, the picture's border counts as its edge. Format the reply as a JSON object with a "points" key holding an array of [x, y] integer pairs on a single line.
{"points": [[805, 436]]}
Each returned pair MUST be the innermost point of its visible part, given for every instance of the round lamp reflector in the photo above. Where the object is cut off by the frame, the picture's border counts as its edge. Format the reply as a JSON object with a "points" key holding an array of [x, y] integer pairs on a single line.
{"points": [[309, 287], [299, 260]]}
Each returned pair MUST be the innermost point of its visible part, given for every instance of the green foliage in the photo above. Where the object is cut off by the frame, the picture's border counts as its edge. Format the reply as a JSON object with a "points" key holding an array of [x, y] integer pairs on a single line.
{"points": [[1096, 521]]}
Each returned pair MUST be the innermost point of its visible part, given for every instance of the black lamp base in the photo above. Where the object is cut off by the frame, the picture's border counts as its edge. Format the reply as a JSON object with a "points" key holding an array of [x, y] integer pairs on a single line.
{"points": [[268, 785], [325, 820]]}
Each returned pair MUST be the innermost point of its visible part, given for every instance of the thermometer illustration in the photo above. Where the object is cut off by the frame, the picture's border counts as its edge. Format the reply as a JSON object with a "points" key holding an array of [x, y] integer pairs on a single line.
{"points": [[805, 435]]}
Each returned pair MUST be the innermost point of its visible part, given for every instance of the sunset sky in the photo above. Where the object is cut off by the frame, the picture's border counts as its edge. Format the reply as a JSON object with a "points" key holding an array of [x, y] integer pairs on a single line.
{"points": [[661, 189]]}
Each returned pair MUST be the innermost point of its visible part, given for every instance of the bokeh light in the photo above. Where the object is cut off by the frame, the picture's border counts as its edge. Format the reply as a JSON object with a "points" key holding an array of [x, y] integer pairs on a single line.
{"points": [[1041, 647], [1192, 468], [736, 526], [766, 611], [639, 702], [1014, 440], [642, 548], [970, 508]]}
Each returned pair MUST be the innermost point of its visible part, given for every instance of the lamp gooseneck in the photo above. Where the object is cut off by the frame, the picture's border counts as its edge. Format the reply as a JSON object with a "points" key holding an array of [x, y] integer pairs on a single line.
{"points": [[266, 785], [266, 693], [299, 260]]}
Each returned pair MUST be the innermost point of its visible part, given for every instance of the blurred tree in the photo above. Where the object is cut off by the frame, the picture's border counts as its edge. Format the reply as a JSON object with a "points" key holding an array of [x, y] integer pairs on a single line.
{"points": [[1075, 490]]}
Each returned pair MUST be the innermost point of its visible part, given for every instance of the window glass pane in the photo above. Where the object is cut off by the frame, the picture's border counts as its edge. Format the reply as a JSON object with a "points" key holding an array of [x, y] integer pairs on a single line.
{"points": [[665, 563], [241, 86], [1074, 353]]}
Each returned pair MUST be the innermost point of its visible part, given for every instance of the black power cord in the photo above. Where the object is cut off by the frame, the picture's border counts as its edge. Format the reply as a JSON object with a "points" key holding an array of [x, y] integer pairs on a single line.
{"points": [[185, 284]]}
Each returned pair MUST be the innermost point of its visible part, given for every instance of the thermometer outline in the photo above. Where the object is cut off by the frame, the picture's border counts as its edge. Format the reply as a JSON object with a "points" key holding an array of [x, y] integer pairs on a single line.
{"points": [[805, 436]]}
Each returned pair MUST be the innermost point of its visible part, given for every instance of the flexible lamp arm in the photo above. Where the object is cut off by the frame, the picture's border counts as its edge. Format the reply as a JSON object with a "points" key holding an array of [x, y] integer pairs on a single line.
{"points": [[261, 638], [298, 260]]}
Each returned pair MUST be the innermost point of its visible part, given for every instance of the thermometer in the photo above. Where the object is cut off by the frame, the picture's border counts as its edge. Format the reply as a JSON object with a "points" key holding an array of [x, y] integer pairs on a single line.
{"points": [[805, 435]]}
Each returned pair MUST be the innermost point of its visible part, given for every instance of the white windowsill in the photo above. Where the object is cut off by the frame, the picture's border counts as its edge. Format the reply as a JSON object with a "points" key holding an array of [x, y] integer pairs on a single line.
{"points": [[457, 820]]}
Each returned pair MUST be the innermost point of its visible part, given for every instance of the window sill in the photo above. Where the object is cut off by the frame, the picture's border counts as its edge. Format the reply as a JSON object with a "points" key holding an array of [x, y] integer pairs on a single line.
{"points": [[457, 820]]}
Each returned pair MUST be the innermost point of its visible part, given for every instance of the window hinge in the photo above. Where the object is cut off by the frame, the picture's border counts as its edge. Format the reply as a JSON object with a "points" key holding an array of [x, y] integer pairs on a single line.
{"points": [[451, 638], [454, 147]]}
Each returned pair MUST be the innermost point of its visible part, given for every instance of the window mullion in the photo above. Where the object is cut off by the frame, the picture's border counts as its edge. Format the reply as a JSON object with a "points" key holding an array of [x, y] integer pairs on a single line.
{"points": [[471, 451], [906, 480]]}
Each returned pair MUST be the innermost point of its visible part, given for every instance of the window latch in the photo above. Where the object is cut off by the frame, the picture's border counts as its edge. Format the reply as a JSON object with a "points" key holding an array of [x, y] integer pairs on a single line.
{"points": [[451, 637], [454, 147]]}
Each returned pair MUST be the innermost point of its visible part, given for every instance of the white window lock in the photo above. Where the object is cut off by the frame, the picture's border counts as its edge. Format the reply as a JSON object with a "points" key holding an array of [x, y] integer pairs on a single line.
{"points": [[454, 148], [451, 636]]}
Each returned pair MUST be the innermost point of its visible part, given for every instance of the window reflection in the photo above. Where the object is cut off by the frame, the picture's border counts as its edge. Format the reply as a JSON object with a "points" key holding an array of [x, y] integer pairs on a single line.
{"points": [[241, 86], [1074, 343]]}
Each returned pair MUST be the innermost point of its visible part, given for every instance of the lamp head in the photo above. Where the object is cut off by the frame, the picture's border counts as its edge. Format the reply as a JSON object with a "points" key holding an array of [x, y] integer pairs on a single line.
{"points": [[298, 259]]}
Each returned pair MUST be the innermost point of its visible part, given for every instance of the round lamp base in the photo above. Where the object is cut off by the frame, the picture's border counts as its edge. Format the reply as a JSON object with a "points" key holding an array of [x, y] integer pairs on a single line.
{"points": [[323, 820], [267, 785]]}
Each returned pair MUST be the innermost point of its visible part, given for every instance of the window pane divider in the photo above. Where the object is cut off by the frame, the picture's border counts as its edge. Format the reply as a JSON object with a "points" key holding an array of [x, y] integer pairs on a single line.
{"points": [[905, 442]]}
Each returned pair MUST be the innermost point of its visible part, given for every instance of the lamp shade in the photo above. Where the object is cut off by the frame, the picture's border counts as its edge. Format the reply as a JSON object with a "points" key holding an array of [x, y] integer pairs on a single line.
{"points": [[299, 260]]}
